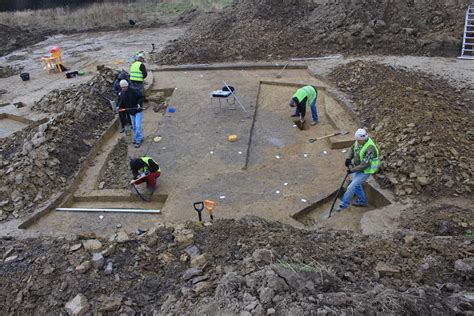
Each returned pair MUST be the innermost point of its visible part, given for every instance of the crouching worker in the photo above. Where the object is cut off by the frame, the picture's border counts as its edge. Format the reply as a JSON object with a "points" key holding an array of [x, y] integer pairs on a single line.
{"points": [[304, 96], [145, 169], [365, 155]]}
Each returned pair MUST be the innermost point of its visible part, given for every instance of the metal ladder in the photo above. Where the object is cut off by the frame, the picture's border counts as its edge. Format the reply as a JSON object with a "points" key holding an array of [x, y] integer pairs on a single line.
{"points": [[468, 39]]}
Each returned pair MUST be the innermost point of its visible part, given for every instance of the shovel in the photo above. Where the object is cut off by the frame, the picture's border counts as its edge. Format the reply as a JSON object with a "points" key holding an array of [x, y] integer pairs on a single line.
{"points": [[112, 103], [328, 214], [198, 207], [312, 140]]}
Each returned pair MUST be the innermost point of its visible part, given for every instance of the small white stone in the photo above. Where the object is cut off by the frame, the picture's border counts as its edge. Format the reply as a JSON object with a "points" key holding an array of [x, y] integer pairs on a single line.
{"points": [[294, 126], [240, 153], [164, 148], [285, 184], [305, 155], [303, 200], [325, 152], [277, 192], [101, 216], [211, 152], [222, 197], [277, 157], [343, 151]]}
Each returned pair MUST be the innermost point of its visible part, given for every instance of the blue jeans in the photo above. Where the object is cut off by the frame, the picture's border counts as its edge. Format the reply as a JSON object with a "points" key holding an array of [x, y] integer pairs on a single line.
{"points": [[314, 112], [356, 187], [137, 126]]}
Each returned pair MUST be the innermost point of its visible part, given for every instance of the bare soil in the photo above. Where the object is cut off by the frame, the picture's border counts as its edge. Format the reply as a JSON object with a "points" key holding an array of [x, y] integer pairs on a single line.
{"points": [[249, 265], [443, 220], [421, 123], [269, 30], [14, 38], [117, 170]]}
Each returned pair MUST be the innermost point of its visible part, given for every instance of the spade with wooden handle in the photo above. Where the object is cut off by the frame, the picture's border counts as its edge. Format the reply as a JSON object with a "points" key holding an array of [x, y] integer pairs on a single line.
{"points": [[312, 140]]}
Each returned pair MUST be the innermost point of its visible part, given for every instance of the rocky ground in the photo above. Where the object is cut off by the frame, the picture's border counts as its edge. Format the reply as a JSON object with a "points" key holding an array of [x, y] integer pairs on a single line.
{"points": [[250, 266], [40, 162], [117, 170], [443, 220], [422, 125], [269, 30]]}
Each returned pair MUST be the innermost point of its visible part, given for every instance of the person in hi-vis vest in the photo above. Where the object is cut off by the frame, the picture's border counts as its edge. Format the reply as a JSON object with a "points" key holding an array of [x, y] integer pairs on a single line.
{"points": [[145, 169], [304, 96], [138, 72], [362, 161]]}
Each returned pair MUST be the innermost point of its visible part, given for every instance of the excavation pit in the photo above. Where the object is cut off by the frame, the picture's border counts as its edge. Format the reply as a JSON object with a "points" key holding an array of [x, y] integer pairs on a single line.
{"points": [[101, 223], [270, 171], [10, 123], [316, 215]]}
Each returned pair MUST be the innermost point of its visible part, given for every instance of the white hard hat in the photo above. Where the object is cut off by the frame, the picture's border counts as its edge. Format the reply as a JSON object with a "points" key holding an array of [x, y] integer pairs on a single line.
{"points": [[361, 134], [123, 83], [140, 55]]}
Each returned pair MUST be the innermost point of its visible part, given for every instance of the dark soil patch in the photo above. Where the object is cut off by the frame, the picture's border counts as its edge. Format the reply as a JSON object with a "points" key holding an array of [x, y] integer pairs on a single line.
{"points": [[252, 265], [13, 38], [117, 174], [444, 220], [269, 30], [422, 125]]}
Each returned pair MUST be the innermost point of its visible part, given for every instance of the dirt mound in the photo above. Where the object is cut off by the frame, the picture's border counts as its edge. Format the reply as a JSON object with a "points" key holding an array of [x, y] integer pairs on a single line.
{"points": [[117, 170], [251, 266], [444, 220], [13, 38], [39, 162], [422, 125], [268, 29]]}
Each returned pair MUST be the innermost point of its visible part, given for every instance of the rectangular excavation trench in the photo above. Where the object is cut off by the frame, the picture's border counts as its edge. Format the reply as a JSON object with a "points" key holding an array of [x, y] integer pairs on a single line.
{"points": [[315, 214], [84, 193], [10, 124], [101, 223]]}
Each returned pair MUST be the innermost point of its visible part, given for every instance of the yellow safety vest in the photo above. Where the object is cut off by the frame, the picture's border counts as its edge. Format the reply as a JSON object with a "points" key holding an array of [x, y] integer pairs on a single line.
{"points": [[374, 165], [135, 72]]}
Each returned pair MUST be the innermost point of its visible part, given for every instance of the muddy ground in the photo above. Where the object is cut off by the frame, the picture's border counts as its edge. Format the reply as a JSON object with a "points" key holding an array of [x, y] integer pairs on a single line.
{"points": [[269, 30], [250, 266]]}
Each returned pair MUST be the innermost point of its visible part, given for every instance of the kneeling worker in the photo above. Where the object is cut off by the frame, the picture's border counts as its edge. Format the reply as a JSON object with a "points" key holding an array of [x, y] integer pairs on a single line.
{"points": [[145, 169], [366, 162], [304, 96]]}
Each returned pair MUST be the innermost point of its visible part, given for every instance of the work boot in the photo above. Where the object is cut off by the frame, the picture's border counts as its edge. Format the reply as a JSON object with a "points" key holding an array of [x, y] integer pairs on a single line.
{"points": [[127, 130], [340, 208], [295, 115], [359, 204], [137, 145], [314, 123]]}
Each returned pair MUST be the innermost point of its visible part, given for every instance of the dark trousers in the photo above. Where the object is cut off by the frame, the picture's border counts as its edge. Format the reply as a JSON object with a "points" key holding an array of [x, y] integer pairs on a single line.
{"points": [[124, 118]]}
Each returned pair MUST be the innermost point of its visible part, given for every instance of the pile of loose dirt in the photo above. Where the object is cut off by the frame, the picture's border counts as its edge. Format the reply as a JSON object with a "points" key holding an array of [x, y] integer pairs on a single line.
{"points": [[422, 125], [117, 172], [13, 38], [40, 162], [443, 220], [268, 29], [249, 267]]}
